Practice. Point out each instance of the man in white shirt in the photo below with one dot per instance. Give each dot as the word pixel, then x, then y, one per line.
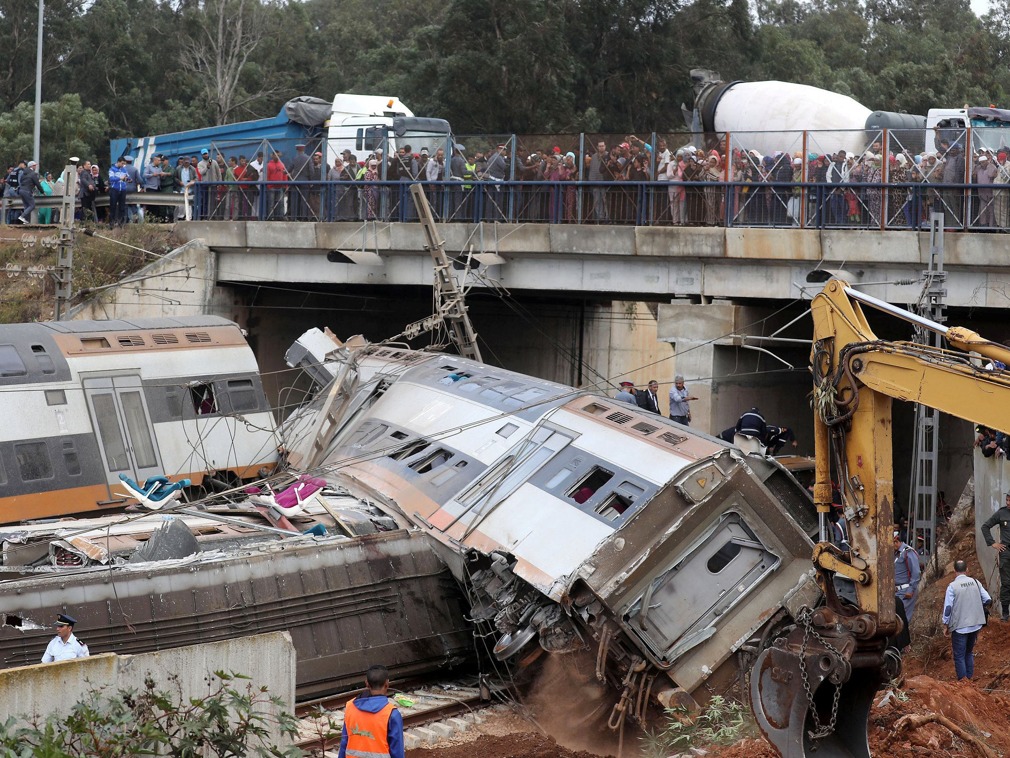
pixel 65 646
pixel 963 616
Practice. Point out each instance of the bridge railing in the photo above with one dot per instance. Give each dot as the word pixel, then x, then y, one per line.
pixel 854 205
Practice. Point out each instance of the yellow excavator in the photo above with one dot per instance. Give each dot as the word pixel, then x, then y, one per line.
pixel 811 690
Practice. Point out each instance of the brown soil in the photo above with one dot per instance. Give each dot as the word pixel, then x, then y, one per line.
pixel 904 722
pixel 524 745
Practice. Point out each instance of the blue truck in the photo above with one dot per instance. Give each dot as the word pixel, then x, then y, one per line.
pixel 360 123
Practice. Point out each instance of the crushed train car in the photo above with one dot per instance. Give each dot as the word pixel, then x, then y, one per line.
pixel 357 588
pixel 572 521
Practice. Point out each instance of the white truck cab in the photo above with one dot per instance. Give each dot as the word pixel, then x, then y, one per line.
pixel 365 123
pixel 989 127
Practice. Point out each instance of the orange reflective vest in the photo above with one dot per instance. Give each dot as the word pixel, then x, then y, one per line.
pixel 367 733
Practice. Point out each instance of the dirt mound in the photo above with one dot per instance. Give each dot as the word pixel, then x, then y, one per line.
pixel 528 745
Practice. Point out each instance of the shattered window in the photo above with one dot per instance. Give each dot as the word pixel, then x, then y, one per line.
pixel 431 461
pixel 589 484
pixel 44 360
pixel 34 461
pixel 204 402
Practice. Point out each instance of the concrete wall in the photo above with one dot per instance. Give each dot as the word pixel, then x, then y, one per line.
pixel 54 687
pixel 182 283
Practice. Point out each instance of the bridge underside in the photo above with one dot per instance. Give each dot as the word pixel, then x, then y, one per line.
pixel 697 262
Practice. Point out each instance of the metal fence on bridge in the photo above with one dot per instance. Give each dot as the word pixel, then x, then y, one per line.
pixel 855 205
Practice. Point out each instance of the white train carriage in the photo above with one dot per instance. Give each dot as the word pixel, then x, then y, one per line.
pixel 577 521
pixel 86 401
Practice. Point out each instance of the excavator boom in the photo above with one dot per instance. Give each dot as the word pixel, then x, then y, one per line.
pixel 811 690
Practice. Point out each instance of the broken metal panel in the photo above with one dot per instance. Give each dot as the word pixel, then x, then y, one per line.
pixel 337 597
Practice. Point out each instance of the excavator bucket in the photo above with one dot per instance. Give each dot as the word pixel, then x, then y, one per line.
pixel 808 701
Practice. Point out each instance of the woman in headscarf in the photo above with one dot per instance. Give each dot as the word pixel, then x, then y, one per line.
pixel 898 208
pixel 1001 197
pixel 571 174
pixel 713 195
pixel 370 193
pixel 45 214
pixel 872 195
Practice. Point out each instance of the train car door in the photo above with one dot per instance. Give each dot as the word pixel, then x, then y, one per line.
pixel 123 426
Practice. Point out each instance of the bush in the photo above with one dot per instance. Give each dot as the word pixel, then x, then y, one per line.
pixel 234 719
pixel 720 722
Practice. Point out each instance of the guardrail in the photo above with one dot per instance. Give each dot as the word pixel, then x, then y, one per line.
pixel 804 205
pixel 869 205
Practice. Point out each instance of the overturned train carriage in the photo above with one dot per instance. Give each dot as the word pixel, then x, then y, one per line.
pixel 575 522
pixel 86 401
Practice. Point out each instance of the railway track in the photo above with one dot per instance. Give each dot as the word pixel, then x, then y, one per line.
pixel 431 712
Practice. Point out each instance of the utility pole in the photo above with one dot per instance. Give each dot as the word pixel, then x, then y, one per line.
pixel 38 90
pixel 65 248
pixel 451 308
pixel 927 420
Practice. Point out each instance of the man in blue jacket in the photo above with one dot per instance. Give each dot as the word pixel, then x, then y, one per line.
pixel 119 185
pixel 373 727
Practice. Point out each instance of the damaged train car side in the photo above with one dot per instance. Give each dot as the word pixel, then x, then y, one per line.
pixel 576 522
pixel 86 401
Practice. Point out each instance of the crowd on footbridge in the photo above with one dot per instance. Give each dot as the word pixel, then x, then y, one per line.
pixel 622 181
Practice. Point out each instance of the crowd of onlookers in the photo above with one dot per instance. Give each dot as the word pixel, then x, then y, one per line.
pixel 630 182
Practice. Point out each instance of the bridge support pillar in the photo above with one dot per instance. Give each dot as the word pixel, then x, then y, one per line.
pixel 730 373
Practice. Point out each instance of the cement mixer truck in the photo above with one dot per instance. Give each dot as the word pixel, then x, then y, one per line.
pixel 782 116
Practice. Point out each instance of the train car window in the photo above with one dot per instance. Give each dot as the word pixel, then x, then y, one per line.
pixel 368 435
pixel 527 395
pixel 589 484
pixel 491 394
pixel 56 397
pixel 507 430
pixel 399 435
pixel 408 450
pixel 614 506
pixel 44 360
pixel 723 556
pixel 242 393
pixel 34 462
pixel 204 401
pixel 453 376
pixel 110 433
pixel 70 460
pixel 431 461
pixel 10 362
pixel 446 474
pixel 139 429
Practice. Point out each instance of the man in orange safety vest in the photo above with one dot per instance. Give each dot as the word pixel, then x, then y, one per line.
pixel 373 727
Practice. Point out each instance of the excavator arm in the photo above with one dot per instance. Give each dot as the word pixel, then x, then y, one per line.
pixel 812 689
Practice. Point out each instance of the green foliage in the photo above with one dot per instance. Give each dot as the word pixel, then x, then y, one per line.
pixel 68 128
pixel 235 718
pixel 720 722
pixel 491 66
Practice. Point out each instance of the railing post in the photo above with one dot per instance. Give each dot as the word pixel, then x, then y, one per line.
pixel 804 177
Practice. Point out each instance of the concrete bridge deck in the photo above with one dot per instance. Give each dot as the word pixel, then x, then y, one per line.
pixel 700 263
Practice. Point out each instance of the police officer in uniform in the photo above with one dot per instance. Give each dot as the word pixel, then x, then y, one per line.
pixel 373 727
pixel 1001 517
pixel 65 646
pixel 626 395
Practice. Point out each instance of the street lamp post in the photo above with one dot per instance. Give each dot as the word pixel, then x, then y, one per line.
pixel 37 134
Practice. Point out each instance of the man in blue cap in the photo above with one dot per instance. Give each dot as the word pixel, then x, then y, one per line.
pixel 65 646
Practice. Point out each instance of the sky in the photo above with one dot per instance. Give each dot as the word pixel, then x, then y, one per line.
pixel 981 7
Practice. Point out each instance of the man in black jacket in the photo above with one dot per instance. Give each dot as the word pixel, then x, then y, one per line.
pixel 1001 517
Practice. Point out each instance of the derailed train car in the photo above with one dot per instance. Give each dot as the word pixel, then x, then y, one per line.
pixel 86 401
pixel 576 522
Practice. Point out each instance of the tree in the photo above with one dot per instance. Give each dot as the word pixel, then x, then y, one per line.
pixel 223 35
pixel 68 128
